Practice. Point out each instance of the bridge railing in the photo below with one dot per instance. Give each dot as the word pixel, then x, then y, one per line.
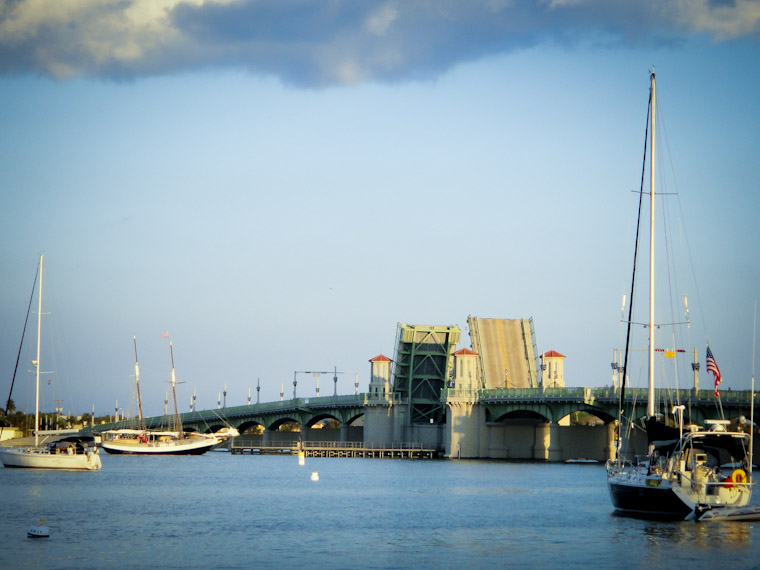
pixel 387 398
pixel 606 394
pixel 270 407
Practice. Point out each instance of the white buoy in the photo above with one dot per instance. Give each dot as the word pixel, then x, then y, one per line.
pixel 38 530
pixel 314 476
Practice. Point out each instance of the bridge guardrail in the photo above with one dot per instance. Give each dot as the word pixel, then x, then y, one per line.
pixel 606 394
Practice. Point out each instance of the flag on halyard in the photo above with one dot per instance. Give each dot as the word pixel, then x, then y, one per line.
pixel 166 335
pixel 712 366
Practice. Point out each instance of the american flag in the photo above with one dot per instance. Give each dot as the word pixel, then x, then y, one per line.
pixel 712 366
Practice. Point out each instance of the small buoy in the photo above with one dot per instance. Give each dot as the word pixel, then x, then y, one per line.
pixel 38 531
pixel 314 476
pixel 301 459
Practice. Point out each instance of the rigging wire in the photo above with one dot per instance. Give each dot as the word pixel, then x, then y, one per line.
pixel 21 344
pixel 633 277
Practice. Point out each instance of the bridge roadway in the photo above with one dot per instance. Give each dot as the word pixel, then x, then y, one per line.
pixel 502 404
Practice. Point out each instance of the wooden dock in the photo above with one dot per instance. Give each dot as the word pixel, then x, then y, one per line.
pixel 241 446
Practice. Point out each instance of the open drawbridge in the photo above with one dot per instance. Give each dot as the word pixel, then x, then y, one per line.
pixel 507 350
pixel 422 368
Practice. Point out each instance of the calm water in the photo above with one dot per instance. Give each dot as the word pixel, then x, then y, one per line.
pixel 224 511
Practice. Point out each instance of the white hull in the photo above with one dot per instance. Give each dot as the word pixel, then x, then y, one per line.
pixel 157 443
pixel 42 458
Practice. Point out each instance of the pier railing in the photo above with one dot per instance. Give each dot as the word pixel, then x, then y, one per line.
pixel 243 441
pixel 242 445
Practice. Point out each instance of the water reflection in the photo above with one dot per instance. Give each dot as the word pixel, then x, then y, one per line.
pixel 702 535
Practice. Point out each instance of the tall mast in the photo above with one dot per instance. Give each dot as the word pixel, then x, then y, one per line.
pixel 37 362
pixel 177 420
pixel 650 397
pixel 137 383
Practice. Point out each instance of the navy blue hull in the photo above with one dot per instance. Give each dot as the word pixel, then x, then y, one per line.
pixel 645 501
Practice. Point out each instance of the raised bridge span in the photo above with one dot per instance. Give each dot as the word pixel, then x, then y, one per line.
pixel 520 423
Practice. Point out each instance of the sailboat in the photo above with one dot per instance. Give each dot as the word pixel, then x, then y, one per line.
pixel 68 453
pixel 687 472
pixel 142 441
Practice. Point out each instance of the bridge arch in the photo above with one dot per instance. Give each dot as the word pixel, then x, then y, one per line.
pixel 522 416
pixel 603 414
pixel 279 422
pixel 320 417
pixel 247 425
pixel 354 418
pixel 213 428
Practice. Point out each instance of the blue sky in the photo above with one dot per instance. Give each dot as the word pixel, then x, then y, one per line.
pixel 279 187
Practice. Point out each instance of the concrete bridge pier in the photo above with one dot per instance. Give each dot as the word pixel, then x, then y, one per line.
pixel 609 451
pixel 344 433
pixel 265 437
pixel 541 445
pixel 547 443
pixel 464 436
pixel 555 447
pixel 378 424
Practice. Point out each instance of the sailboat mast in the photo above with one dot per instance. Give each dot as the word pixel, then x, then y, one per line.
pixel 650 397
pixel 177 420
pixel 137 383
pixel 37 362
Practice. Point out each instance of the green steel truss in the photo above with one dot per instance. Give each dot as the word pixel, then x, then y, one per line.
pixel 422 368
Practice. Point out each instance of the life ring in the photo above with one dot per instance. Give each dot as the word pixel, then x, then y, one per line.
pixel 738 476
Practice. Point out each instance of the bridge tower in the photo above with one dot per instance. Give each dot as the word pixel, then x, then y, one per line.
pixel 553 369
pixel 378 405
pixel 465 432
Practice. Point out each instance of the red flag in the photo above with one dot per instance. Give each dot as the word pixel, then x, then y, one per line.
pixel 712 366
pixel 166 335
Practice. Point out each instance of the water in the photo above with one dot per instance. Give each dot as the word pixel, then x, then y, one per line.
pixel 225 511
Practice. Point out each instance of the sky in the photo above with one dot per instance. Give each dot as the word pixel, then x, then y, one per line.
pixel 278 184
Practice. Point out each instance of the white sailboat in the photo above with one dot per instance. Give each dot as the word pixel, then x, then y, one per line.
pixel 68 453
pixel 142 441
pixel 686 472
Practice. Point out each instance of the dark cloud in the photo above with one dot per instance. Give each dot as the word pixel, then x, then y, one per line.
pixel 328 42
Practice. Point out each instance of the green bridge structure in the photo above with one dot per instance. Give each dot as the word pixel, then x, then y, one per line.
pixel 518 423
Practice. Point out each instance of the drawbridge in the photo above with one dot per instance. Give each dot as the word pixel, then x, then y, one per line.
pixel 422 369
pixel 507 350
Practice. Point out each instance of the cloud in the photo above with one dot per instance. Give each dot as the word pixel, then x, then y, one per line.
pixel 316 43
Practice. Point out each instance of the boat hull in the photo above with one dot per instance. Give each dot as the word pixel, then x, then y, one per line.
pixel 640 499
pixel 41 458
pixel 190 447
